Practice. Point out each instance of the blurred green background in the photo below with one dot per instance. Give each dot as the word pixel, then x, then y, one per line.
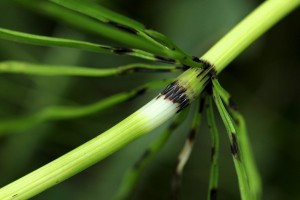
pixel 264 81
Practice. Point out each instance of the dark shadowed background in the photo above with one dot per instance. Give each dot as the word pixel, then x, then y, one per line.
pixel 263 81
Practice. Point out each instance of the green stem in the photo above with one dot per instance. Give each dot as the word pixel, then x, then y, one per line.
pixel 68 43
pixel 155 112
pixel 247 31
pixel 18 67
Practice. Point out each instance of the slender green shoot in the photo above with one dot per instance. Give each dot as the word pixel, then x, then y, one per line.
pixel 165 40
pixel 185 152
pixel 71 112
pixel 17 67
pixel 87 46
pixel 98 12
pixel 235 147
pixel 215 147
pixel 76 19
pixel 246 150
pixel 132 176
pixel 109 17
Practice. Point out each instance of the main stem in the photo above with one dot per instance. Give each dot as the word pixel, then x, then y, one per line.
pixel 247 31
pixel 175 97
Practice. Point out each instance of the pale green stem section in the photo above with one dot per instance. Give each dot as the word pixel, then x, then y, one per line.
pixel 18 67
pixel 152 114
pixel 91 152
pixel 247 31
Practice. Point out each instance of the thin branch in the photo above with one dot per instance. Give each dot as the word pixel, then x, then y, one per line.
pixel 18 67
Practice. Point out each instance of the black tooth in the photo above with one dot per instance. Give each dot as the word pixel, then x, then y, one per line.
pixel 183 104
pixel 164 59
pixel 123 27
pixel 192 135
pixel 234 146
pixel 168 88
pixel 141 91
pixel 213 152
pixel 177 94
pixel 196 59
pixel 122 50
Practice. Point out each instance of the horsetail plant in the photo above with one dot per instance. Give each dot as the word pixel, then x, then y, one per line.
pixel 199 78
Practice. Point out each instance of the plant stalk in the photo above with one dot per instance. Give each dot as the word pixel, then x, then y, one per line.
pixel 175 97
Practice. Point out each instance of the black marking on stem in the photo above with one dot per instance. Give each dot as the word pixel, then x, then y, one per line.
pixel 173 126
pixel 232 104
pixel 158 96
pixel 144 70
pixel 184 67
pixel 139 162
pixel 107 47
pixel 200 73
pixel 122 50
pixel 234 146
pixel 196 59
pixel 209 68
pixel 206 63
pixel 213 194
pixel 237 121
pixel 192 135
pixel 201 105
pixel 123 27
pixel 177 94
pixel 164 59
pixel 208 88
pixel 212 73
pixel 212 153
pixel 141 91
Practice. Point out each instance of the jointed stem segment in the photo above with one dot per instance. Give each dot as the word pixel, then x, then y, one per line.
pixel 56 70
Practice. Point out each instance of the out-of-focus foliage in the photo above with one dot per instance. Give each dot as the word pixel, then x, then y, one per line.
pixel 263 81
